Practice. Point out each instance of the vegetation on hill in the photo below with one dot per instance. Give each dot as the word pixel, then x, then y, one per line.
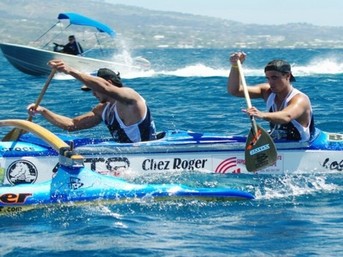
pixel 24 21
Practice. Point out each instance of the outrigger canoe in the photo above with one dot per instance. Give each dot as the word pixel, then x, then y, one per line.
pixel 70 182
pixel 31 159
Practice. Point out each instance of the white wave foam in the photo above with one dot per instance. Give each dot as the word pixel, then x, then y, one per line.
pixel 314 67
pixel 319 66
pixel 293 185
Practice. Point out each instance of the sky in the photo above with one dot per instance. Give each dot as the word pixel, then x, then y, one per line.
pixel 265 12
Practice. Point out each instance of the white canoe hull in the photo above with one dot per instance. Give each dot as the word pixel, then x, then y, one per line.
pixel 30 160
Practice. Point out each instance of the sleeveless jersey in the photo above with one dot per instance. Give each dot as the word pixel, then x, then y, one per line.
pixel 293 130
pixel 144 130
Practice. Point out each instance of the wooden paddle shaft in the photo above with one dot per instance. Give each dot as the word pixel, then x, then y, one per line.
pixel 15 133
pixel 246 94
pixel 245 88
pixel 40 97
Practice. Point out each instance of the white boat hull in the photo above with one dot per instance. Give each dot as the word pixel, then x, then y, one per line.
pixel 30 160
pixel 33 61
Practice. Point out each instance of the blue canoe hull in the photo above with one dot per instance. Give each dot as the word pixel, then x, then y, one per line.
pixel 81 185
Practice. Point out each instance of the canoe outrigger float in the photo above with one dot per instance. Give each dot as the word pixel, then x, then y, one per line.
pixel 24 166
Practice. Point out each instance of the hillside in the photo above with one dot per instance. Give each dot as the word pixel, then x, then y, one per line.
pixel 23 21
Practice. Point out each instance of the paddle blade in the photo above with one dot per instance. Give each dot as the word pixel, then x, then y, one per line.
pixel 260 150
pixel 13 135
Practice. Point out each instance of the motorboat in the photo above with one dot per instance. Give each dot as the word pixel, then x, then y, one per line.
pixel 32 59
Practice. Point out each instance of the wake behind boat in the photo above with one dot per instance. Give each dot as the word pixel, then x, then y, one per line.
pixel 33 60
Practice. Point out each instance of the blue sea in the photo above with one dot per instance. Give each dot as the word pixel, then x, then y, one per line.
pixel 292 215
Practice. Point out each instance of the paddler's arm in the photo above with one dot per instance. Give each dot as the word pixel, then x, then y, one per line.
pixel 85 121
pixel 295 110
pixel 234 84
pixel 124 95
pixel 93 82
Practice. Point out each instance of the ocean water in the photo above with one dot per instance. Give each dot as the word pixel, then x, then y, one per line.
pixel 292 215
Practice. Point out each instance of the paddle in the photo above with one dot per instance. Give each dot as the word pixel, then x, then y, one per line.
pixel 15 133
pixel 260 150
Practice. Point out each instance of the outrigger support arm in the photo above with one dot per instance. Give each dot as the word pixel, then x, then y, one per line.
pixel 67 157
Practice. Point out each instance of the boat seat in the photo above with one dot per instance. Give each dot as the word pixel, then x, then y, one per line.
pixel 160 135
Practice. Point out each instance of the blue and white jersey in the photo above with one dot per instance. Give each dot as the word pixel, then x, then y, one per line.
pixel 293 130
pixel 143 130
